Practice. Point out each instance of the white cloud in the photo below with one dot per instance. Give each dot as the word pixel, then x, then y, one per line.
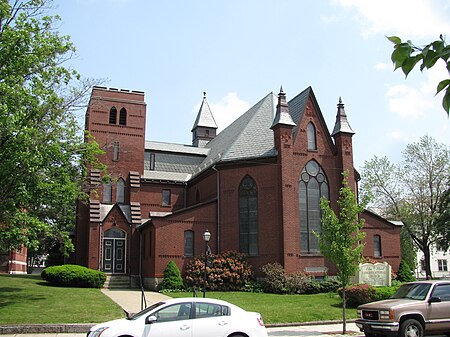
pixel 384 66
pixel 405 18
pixel 227 109
pixel 417 99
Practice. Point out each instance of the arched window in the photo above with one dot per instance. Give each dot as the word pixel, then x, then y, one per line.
pixel 113 115
pixel 313 185
pixel 377 246
pixel 107 193
pixel 188 243
pixel 120 191
pixel 311 133
pixel 115 233
pixel 248 217
pixel 123 117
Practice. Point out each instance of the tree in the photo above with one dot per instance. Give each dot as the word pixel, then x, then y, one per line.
pixel 341 237
pixel 406 56
pixel 411 190
pixel 42 151
pixel 172 277
pixel 443 220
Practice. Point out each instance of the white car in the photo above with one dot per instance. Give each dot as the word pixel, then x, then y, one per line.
pixel 186 317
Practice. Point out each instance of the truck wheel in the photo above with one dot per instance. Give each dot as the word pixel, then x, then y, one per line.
pixel 368 334
pixel 410 328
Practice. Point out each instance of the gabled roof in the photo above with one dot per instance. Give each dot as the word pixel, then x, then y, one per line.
pixel 297 107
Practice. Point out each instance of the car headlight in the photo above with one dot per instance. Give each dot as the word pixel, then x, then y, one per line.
pixel 98 332
pixel 386 315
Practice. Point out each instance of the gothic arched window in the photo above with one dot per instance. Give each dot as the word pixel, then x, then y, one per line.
pixel 188 243
pixel 311 134
pixel 313 185
pixel 123 117
pixel 107 193
pixel 113 115
pixel 248 217
pixel 377 246
pixel 120 191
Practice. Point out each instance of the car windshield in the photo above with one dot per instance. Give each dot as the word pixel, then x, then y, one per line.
pixel 145 311
pixel 413 291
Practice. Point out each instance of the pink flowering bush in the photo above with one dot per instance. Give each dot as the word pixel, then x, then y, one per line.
pixel 226 271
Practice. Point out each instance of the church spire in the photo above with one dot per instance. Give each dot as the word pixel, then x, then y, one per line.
pixel 205 126
pixel 342 125
pixel 282 115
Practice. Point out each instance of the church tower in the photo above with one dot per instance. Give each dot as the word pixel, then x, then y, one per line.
pixel 205 126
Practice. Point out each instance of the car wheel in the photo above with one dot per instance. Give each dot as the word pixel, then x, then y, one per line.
pixel 368 334
pixel 411 328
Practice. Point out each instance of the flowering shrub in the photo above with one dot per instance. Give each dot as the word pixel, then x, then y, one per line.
pixel 358 294
pixel 226 271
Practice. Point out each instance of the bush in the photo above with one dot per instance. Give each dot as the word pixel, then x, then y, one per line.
pixel 70 275
pixel 384 293
pixel 172 277
pixel 358 294
pixel 279 282
pixel 405 274
pixel 275 280
pixel 226 271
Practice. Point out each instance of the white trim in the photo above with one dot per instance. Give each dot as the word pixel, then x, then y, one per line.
pixel 20 263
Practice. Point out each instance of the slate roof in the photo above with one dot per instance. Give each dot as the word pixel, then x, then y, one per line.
pixel 205 117
pixel 248 137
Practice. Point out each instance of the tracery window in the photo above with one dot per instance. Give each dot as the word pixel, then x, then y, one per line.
pixel 248 217
pixel 313 185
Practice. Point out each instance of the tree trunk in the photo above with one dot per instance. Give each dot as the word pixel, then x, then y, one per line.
pixel 344 305
pixel 427 259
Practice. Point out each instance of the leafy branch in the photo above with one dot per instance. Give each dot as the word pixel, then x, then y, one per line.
pixel 406 56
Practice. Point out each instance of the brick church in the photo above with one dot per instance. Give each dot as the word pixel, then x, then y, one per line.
pixel 255 186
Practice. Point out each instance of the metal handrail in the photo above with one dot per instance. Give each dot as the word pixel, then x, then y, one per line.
pixel 143 300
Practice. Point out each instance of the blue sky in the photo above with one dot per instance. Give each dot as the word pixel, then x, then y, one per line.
pixel 240 50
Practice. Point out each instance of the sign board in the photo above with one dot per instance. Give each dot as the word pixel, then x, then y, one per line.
pixel 376 274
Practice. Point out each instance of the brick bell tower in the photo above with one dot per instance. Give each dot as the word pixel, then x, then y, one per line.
pixel 106 224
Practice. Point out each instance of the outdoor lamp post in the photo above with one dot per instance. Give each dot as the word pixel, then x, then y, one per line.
pixel 206 237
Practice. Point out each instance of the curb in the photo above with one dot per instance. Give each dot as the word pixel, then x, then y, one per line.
pixel 84 328
pixel 45 328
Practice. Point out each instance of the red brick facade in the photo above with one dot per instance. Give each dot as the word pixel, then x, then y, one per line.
pixel 153 230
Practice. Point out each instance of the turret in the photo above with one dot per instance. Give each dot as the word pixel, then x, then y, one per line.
pixel 205 126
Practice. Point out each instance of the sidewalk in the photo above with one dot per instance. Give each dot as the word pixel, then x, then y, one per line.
pixel 131 300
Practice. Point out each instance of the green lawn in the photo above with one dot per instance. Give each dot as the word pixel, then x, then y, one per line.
pixel 28 299
pixel 285 308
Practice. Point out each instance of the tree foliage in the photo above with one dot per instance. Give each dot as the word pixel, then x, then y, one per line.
pixel 341 236
pixel 41 146
pixel 406 56
pixel 411 191
pixel 443 220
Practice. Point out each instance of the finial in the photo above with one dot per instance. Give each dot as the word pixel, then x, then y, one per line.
pixel 340 100
pixel 204 94
pixel 281 89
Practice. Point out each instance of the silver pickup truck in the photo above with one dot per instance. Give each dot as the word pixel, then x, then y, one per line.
pixel 416 308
